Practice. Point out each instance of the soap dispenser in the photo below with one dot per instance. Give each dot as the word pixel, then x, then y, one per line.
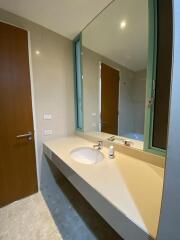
pixel 111 152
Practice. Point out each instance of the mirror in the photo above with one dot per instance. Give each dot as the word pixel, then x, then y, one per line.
pixel 114 63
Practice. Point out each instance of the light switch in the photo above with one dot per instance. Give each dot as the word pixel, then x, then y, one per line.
pixel 48 132
pixel 47 116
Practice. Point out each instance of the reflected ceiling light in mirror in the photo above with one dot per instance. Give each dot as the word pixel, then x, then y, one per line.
pixel 123 24
pixel 37 52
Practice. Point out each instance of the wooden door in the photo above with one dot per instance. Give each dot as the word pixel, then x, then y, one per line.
pixel 17 155
pixel 109 99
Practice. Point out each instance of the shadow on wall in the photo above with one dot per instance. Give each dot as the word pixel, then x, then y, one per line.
pixel 73 215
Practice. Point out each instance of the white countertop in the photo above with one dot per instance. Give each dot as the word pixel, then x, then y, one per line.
pixel 133 186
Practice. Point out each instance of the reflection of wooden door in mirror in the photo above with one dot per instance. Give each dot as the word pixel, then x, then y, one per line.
pixel 163 73
pixel 109 99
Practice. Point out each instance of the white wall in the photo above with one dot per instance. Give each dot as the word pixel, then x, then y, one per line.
pixel 125 103
pixel 132 102
pixel 90 90
pixel 52 79
pixel 170 212
pixel 138 99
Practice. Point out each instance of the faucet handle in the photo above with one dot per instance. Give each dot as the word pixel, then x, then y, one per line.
pixel 100 142
pixel 128 143
pixel 99 145
pixel 112 138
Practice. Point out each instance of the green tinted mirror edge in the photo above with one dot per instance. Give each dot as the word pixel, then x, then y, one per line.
pixel 78 38
pixel 150 83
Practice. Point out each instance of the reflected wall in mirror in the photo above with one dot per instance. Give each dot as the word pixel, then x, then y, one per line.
pixel 115 49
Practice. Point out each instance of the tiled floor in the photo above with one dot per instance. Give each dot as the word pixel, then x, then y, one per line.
pixel 28 219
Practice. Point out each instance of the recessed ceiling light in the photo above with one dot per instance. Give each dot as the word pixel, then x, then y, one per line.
pixel 37 52
pixel 123 24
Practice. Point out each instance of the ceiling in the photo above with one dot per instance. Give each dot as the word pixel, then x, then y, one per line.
pixel 127 46
pixel 66 17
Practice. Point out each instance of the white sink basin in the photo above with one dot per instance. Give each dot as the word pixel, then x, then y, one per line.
pixel 86 155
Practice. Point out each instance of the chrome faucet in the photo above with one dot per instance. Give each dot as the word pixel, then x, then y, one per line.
pixel 99 145
pixel 128 143
pixel 112 138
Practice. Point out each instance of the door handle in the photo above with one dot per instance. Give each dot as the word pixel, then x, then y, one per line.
pixel 26 135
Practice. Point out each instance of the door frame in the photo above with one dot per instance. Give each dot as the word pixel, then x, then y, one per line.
pixel 99 93
pixel 32 98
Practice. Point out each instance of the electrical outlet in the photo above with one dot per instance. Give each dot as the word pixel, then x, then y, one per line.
pixel 47 116
pixel 48 132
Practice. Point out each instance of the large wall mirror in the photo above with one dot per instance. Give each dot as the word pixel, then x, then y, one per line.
pixel 115 49
pixel 126 55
